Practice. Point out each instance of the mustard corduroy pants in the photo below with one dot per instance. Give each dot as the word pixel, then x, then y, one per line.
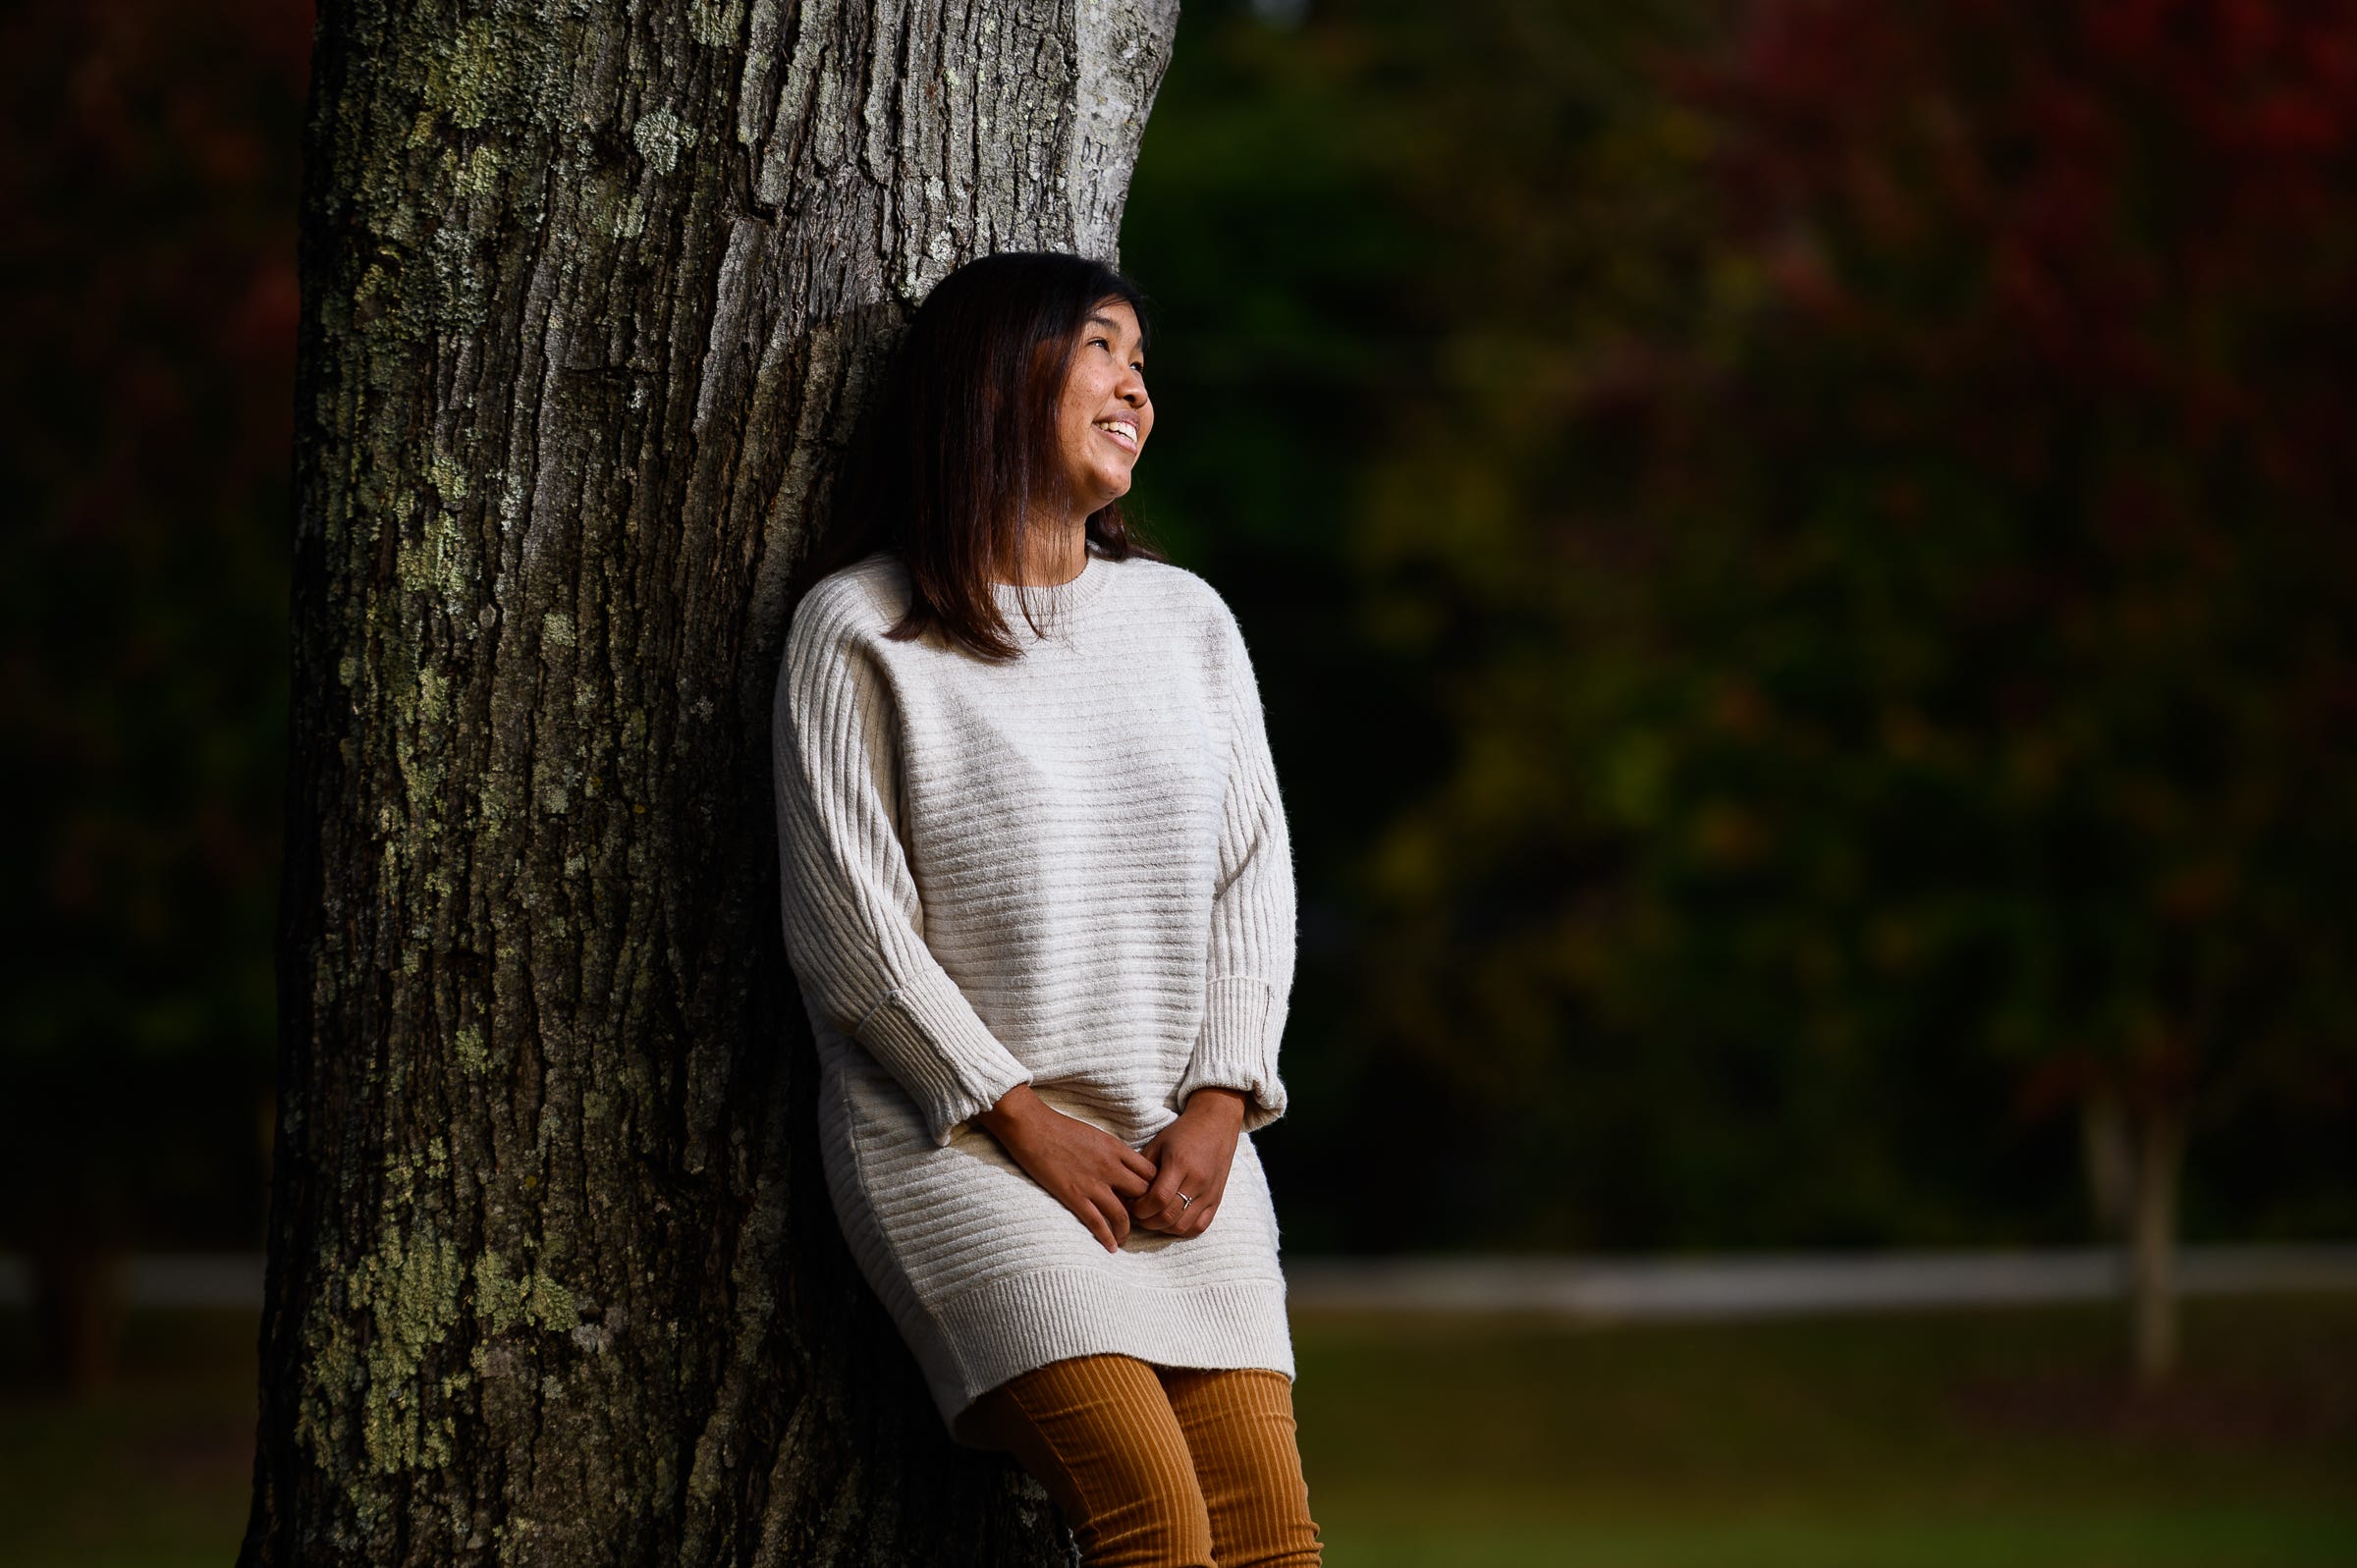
pixel 1160 1467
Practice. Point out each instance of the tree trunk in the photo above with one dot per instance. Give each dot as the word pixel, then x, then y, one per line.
pixel 78 1312
pixel 2108 1162
pixel 2159 1147
pixel 591 296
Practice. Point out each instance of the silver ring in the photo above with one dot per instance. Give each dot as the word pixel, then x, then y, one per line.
pixel 1185 1200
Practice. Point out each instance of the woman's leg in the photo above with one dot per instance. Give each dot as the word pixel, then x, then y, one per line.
pixel 1240 1427
pixel 1100 1435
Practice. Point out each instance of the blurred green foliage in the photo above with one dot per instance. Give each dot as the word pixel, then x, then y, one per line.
pixel 1845 558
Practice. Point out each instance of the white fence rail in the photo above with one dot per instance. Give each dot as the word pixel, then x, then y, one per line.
pixel 1591 1289
pixel 1760 1285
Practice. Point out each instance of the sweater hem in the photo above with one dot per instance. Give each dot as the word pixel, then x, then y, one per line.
pixel 1021 1323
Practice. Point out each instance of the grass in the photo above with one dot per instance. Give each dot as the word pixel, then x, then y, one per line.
pixel 1917 1441
pixel 150 1474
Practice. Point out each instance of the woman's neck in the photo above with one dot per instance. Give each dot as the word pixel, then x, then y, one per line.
pixel 1054 557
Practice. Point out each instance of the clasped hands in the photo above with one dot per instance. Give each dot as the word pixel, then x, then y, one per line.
pixel 1109 1185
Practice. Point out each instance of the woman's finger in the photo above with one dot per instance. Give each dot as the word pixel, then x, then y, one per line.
pixel 1197 1218
pixel 1097 1227
pixel 1162 1198
pixel 1117 1215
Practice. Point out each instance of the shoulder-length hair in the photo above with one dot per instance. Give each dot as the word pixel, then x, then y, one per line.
pixel 964 434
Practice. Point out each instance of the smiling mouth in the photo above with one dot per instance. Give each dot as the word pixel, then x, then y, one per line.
pixel 1121 438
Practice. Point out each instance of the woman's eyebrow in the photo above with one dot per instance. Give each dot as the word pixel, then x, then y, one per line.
pixel 1107 322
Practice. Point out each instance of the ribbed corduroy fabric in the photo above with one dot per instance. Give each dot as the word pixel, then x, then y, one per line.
pixel 1159 1467
pixel 1072 870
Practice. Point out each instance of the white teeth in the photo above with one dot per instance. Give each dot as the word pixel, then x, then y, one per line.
pixel 1124 428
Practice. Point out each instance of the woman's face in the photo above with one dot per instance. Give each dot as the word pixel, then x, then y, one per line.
pixel 1104 415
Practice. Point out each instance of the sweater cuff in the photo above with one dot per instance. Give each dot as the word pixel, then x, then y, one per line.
pixel 951 1065
pixel 1242 1017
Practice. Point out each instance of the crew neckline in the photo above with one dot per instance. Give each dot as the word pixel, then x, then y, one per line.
pixel 1054 598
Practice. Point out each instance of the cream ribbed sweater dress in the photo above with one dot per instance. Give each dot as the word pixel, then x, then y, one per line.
pixel 1072 870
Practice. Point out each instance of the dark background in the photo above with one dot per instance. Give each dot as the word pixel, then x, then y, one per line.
pixel 1799 557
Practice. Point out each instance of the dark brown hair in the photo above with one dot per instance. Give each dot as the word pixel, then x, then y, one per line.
pixel 963 433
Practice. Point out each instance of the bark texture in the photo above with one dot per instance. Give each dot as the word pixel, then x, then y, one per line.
pixel 591 298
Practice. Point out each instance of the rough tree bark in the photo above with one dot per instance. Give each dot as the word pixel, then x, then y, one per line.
pixel 591 296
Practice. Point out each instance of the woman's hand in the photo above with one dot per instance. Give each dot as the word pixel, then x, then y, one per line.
pixel 1191 1155
pixel 1086 1169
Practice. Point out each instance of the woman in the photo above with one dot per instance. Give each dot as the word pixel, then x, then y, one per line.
pixel 1038 890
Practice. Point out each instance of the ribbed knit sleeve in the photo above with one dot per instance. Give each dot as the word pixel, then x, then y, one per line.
pixel 852 914
pixel 1250 977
